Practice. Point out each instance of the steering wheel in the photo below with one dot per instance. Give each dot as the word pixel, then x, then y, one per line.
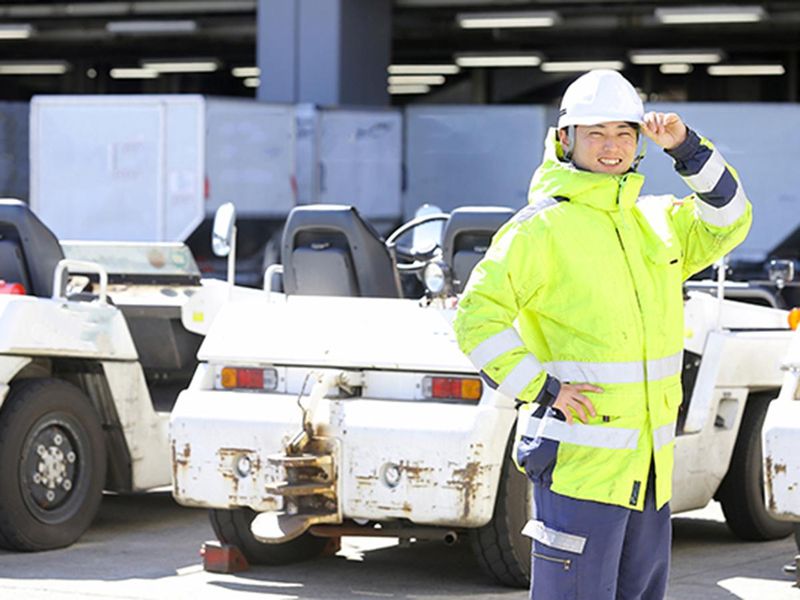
pixel 416 259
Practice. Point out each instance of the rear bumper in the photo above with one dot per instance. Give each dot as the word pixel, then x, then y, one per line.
pixel 781 460
pixel 448 456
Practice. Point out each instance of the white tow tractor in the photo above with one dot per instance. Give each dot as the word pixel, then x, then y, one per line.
pixel 781 442
pixel 338 407
pixel 95 345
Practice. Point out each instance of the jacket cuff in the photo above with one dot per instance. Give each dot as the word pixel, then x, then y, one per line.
pixel 549 391
pixel 686 149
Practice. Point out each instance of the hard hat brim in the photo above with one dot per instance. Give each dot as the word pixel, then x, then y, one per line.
pixel 598 119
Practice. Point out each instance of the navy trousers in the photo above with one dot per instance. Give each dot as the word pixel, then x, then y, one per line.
pixel 585 550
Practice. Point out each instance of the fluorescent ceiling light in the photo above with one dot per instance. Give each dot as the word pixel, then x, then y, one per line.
pixel 151 27
pixel 408 89
pixel 498 60
pixel 660 57
pixel 245 71
pixel 579 66
pixel 16 32
pixel 416 79
pixel 732 70
pixel 688 15
pixel 676 68
pixel 125 73
pixel 94 9
pixel 194 6
pixel 497 20
pixel 423 69
pixel 181 66
pixel 251 82
pixel 34 68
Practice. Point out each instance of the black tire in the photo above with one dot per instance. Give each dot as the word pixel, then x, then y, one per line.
pixel 501 549
pixel 797 535
pixel 52 465
pixel 741 492
pixel 233 527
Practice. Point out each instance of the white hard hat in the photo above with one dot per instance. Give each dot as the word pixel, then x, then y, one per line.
pixel 600 96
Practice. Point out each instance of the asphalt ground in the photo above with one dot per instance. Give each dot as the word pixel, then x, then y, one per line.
pixel 147 548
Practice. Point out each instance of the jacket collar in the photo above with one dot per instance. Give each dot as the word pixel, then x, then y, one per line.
pixel 557 177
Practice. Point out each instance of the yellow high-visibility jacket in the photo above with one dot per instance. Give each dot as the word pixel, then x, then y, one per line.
pixel 584 285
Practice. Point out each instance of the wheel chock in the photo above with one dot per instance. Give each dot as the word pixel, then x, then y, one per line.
pixel 223 558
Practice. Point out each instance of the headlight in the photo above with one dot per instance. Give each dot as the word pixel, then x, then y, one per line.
pixel 780 272
pixel 436 277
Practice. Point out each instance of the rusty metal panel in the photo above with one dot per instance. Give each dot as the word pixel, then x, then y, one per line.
pixel 781 446
pixel 430 463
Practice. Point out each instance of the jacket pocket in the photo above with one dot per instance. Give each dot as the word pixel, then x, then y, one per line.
pixel 616 405
pixel 673 396
pixel 661 254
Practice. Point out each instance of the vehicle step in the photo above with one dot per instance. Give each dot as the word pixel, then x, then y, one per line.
pixel 284 488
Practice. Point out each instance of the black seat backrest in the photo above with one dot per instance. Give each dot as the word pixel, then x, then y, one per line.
pixel 12 265
pixel 329 250
pixel 29 252
pixel 466 237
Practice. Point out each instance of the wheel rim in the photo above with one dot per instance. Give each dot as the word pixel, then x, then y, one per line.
pixel 54 456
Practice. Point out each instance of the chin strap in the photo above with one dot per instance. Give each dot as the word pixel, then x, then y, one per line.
pixel 570 142
pixel 640 156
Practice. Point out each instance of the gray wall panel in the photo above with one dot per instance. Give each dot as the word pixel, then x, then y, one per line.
pixel 471 155
pixel 14 172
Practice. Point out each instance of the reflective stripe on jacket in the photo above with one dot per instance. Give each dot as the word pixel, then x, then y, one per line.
pixel 585 284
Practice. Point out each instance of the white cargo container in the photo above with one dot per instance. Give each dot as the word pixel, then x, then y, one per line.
pixel 149 168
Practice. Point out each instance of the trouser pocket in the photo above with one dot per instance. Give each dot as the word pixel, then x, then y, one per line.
pixel 554 562
pixel 554 576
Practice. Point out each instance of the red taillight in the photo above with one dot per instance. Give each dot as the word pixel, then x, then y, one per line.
pixel 247 378
pixel 452 388
pixel 250 378
pixel 12 288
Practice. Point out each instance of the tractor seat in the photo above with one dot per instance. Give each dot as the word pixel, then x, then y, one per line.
pixel 29 252
pixel 466 237
pixel 329 250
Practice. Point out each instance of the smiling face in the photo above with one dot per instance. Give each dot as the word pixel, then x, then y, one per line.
pixel 605 148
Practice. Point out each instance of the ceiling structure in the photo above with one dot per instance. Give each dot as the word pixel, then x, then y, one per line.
pixel 89 47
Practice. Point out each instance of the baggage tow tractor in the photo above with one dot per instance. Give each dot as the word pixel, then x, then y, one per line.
pixel 95 345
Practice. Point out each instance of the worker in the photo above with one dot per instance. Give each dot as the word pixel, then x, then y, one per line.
pixel 576 312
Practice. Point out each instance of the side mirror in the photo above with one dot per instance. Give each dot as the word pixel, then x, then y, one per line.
pixel 223 232
pixel 428 236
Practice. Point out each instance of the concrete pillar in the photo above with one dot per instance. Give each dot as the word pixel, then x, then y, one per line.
pixel 328 52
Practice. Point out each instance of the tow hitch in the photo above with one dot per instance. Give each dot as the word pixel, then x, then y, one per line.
pixel 306 470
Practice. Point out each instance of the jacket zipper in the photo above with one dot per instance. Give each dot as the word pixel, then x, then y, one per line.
pixel 638 302
pixel 636 295
pixel 630 272
pixel 566 562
